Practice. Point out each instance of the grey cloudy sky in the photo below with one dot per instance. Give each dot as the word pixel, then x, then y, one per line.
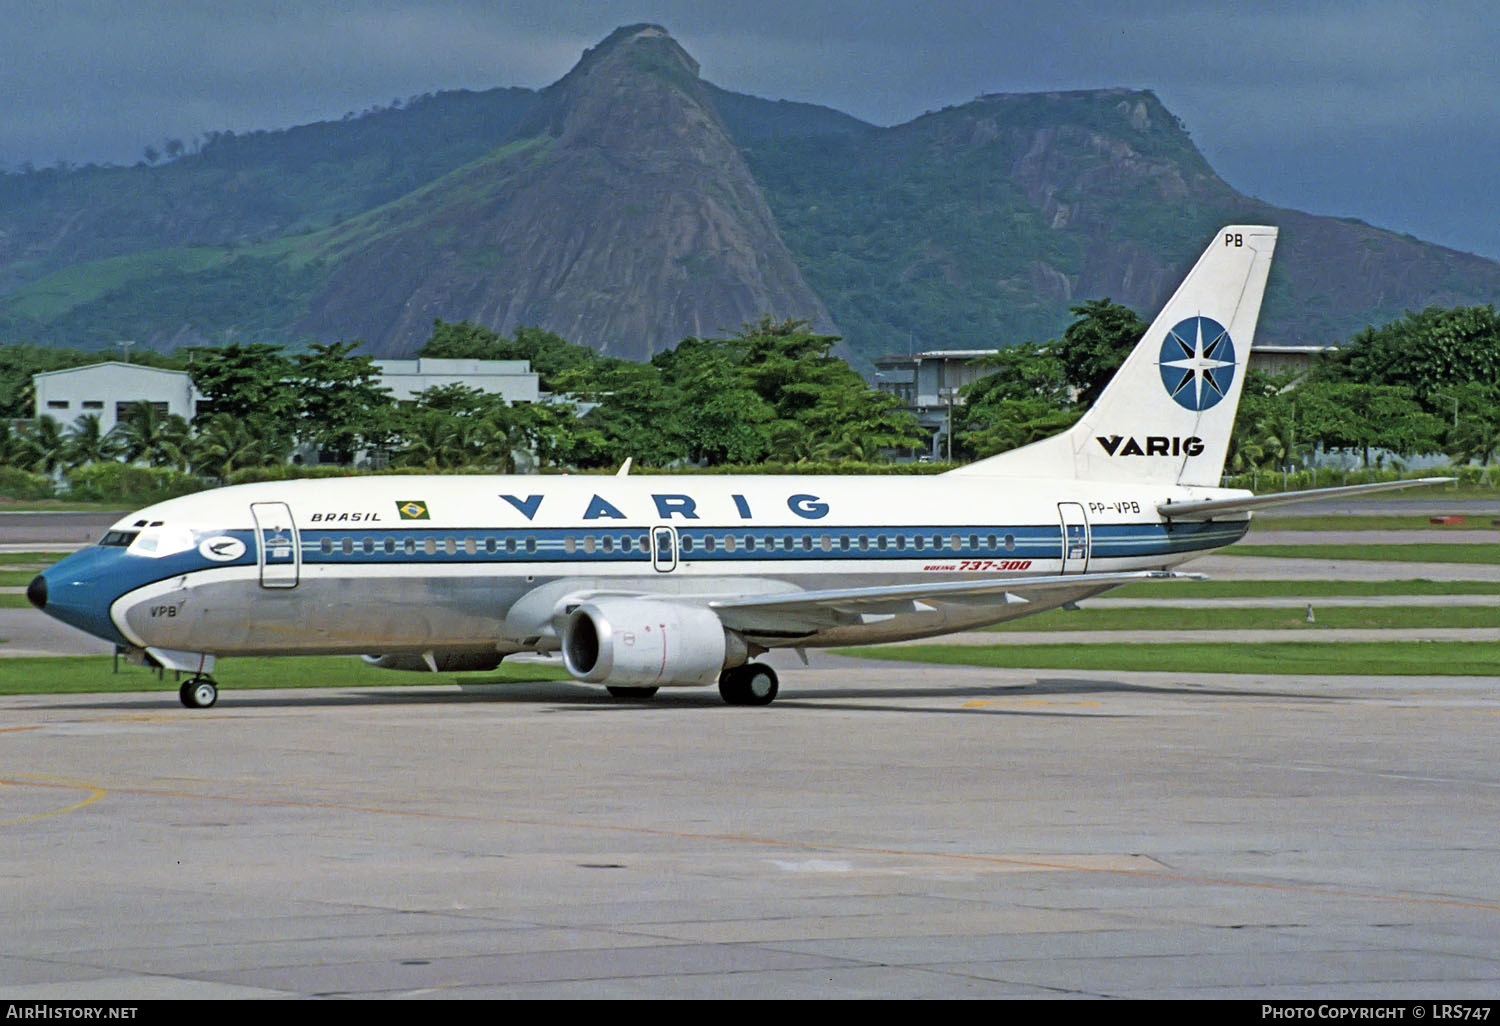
pixel 1385 110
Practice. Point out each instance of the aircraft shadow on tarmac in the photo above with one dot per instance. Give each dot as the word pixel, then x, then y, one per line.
pixel 565 696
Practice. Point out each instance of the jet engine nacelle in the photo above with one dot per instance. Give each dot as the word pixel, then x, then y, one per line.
pixel 644 643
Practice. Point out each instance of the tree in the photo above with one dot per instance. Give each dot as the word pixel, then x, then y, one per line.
pixel 245 382
pixel 814 396
pixel 1432 351
pixel 722 419
pixel 41 446
pixel 146 436
pixel 342 404
pixel 1093 347
pixel 1476 435
pixel 225 444
pixel 86 442
pixel 1353 415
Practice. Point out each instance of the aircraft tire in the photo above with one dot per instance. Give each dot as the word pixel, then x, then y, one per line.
pixel 198 693
pixel 751 684
pixel 640 694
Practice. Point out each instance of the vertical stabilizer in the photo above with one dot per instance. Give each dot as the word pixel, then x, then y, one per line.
pixel 1166 414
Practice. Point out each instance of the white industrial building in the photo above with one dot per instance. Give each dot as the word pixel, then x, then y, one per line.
pixel 108 390
pixel 512 380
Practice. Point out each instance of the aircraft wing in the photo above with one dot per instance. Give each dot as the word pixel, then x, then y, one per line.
pixel 810 610
pixel 1209 508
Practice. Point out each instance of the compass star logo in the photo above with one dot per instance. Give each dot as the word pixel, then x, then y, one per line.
pixel 1197 362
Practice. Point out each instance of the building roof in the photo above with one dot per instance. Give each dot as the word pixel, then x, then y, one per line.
pixel 115 366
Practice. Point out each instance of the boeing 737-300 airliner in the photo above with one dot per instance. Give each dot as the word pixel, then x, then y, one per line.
pixel 645 582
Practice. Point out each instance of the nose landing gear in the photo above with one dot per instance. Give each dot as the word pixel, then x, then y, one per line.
pixel 199 693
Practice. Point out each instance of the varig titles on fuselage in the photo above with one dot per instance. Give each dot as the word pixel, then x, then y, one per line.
pixel 668 505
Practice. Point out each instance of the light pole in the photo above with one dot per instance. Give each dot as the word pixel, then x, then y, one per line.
pixel 948 394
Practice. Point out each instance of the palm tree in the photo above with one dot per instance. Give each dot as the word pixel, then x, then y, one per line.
pixel 434 440
pixel 88 443
pixel 152 439
pixel 41 446
pixel 225 443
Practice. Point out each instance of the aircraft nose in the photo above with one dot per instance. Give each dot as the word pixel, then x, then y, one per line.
pixel 79 591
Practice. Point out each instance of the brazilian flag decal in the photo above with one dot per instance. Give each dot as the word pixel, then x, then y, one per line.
pixel 412 510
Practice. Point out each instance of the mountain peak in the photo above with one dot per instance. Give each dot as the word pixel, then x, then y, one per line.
pixel 634 63
pixel 622 216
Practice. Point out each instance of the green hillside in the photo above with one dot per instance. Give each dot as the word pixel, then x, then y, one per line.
pixel 971 227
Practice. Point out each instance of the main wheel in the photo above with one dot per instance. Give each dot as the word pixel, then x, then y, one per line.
pixel 640 694
pixel 751 684
pixel 199 693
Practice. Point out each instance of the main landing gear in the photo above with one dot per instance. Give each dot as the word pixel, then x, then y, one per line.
pixel 751 684
pixel 199 693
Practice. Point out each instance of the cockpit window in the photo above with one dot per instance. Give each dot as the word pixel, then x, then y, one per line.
pixel 157 541
pixel 118 539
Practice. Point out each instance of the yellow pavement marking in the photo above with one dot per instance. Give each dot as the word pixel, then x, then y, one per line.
pixel 37 780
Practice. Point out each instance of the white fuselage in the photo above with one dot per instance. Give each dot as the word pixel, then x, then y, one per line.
pixel 453 564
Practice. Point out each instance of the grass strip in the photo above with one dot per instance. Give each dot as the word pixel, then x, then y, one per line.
pixel 43 559
pixel 1395 658
pixel 1375 522
pixel 1300 589
pixel 1420 552
pixel 66 675
pixel 1187 618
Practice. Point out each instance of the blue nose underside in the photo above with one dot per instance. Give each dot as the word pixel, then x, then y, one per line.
pixel 79 591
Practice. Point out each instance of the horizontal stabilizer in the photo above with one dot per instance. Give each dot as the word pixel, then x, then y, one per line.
pixel 1213 507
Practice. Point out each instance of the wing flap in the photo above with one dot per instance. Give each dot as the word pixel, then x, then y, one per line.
pixel 809 610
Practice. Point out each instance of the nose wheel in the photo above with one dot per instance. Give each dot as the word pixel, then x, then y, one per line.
pixel 199 693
